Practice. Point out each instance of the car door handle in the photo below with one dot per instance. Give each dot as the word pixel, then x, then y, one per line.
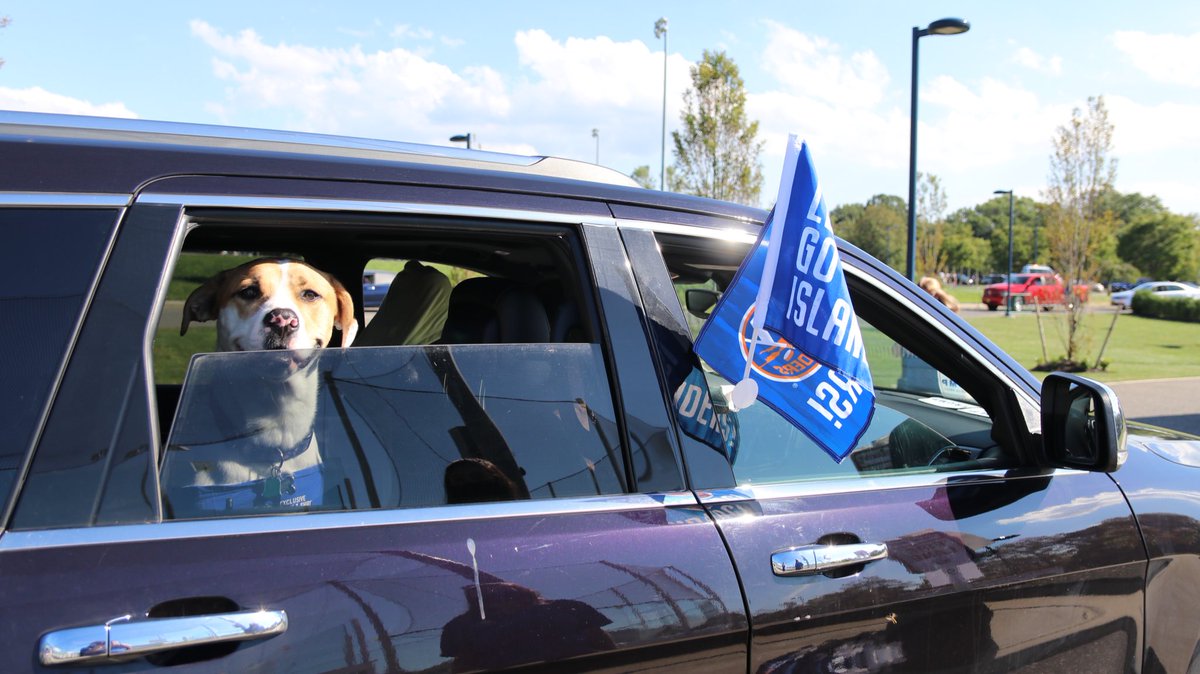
pixel 808 560
pixel 123 639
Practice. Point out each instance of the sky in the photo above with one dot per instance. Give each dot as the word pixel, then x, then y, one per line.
pixel 538 78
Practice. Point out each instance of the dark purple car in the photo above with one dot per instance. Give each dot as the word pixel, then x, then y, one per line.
pixel 519 462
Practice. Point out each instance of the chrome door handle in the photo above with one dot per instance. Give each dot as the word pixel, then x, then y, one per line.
pixel 123 639
pixel 809 560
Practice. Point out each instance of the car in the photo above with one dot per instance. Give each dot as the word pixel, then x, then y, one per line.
pixel 529 468
pixel 1043 289
pixel 1036 269
pixel 375 284
pixel 1124 298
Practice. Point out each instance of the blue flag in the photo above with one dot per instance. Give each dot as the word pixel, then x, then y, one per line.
pixel 785 329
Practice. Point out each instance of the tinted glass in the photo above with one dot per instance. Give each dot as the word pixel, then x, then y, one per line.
pixel 47 265
pixel 389 427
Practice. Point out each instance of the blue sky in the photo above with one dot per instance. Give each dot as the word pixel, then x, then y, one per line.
pixel 537 77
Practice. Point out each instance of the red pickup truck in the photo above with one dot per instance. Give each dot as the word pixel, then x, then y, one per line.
pixel 1046 290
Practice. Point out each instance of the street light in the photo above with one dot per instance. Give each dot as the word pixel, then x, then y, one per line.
pixel 1008 277
pixel 939 27
pixel 660 30
pixel 461 138
pixel 596 135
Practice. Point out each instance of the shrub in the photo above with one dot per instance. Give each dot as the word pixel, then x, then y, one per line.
pixel 1171 308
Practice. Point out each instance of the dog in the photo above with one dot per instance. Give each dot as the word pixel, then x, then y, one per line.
pixel 249 444
pixel 934 287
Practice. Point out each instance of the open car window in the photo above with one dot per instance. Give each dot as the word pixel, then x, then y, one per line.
pixel 924 421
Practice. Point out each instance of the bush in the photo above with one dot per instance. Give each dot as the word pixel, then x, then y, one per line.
pixel 1171 308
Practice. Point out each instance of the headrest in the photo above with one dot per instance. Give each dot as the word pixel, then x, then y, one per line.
pixel 494 311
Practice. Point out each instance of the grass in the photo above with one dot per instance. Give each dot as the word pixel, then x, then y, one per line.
pixel 1139 348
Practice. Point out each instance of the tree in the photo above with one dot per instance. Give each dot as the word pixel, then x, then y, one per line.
pixel 931 209
pixel 1166 246
pixel 877 227
pixel 716 152
pixel 641 175
pixel 1078 226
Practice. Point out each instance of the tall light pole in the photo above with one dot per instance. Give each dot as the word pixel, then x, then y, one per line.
pixel 939 27
pixel 1008 277
pixel 462 137
pixel 596 135
pixel 660 30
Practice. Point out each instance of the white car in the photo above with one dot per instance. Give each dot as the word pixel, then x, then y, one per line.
pixel 1124 298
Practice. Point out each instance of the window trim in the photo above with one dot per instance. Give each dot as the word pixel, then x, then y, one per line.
pixel 171 530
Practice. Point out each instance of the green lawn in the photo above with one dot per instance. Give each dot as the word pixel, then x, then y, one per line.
pixel 1140 348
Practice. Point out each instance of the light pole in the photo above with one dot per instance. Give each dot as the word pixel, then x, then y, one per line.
pixel 462 137
pixel 596 135
pixel 1008 277
pixel 660 30
pixel 939 27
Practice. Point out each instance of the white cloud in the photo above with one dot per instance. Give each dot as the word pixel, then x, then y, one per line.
pixel 1050 65
pixel 814 67
pixel 1165 58
pixel 37 99
pixel 404 31
pixel 563 89
pixel 395 93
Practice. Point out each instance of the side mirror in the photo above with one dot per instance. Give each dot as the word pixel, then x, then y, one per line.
pixel 1082 424
pixel 700 301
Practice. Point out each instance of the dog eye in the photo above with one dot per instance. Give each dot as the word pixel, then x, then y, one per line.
pixel 249 293
pixel 310 295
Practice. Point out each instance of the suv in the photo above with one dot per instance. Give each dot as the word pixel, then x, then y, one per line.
pixel 521 462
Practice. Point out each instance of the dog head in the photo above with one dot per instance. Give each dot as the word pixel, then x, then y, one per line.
pixel 273 304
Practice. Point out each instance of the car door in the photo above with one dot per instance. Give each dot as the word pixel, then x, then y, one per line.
pixel 611 565
pixel 941 543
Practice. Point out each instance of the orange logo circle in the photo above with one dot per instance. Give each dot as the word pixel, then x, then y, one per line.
pixel 775 359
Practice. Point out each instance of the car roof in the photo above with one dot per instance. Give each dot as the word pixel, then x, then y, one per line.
pixel 71 153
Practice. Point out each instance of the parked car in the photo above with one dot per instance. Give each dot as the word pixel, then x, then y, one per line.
pixel 375 286
pixel 1124 298
pixel 1037 269
pixel 552 481
pixel 1045 290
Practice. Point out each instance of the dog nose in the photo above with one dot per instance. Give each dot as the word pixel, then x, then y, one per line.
pixel 282 321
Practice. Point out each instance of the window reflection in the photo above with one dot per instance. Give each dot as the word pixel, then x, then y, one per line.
pixel 387 427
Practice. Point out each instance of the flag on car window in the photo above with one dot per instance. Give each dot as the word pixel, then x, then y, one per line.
pixel 785 329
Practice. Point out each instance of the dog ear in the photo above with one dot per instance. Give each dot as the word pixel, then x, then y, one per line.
pixel 344 320
pixel 201 305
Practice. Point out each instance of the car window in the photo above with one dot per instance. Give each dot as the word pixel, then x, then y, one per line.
pixel 474 376
pixel 924 420
pixel 48 264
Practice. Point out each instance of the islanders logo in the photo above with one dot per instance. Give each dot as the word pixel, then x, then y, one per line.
pixel 776 359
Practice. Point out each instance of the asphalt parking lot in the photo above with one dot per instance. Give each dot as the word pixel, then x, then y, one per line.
pixel 1170 403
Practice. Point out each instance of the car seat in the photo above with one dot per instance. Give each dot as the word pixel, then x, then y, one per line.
pixel 413 311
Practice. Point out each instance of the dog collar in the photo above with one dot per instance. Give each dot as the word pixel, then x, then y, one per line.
pixel 296 449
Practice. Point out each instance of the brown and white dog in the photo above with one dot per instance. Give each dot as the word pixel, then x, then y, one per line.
pixel 267 304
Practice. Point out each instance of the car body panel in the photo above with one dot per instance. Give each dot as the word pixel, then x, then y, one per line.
pixel 607 588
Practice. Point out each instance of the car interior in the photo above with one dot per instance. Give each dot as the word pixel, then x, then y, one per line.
pixel 934 407
pixel 472 313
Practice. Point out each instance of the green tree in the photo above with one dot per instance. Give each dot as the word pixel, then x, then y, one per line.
pixel 878 227
pixel 641 175
pixel 1164 246
pixel 1078 226
pixel 717 151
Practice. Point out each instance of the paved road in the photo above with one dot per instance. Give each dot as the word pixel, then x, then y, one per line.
pixel 1171 403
